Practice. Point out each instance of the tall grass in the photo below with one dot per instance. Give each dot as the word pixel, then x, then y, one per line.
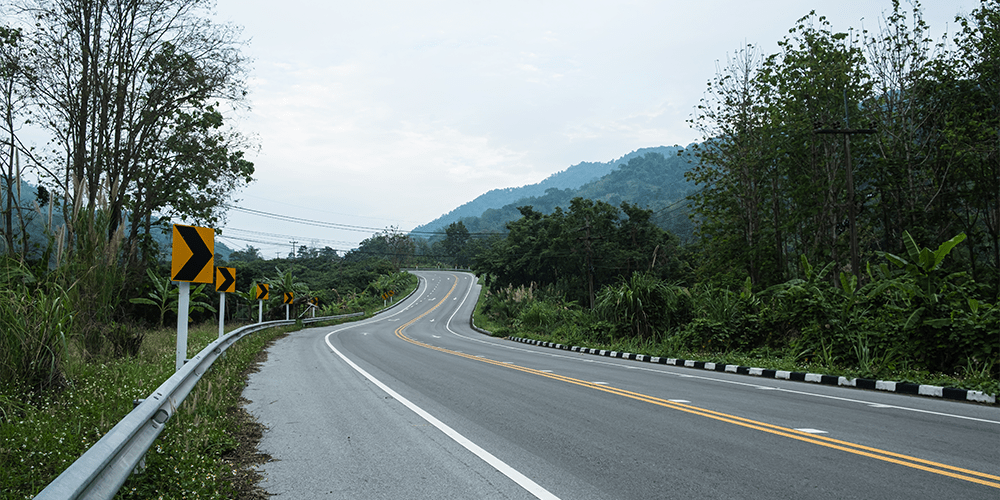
pixel 34 319
pixel 43 432
pixel 94 278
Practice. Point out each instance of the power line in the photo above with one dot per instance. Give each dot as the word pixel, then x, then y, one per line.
pixel 332 225
pixel 285 236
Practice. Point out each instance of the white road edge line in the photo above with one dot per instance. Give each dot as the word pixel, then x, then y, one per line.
pixel 733 382
pixel 522 480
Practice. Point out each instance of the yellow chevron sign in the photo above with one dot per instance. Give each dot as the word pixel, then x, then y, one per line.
pixel 225 279
pixel 193 255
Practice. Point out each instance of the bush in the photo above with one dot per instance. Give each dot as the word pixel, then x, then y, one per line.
pixel 643 306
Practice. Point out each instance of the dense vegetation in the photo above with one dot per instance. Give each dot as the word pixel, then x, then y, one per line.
pixel 134 97
pixel 896 273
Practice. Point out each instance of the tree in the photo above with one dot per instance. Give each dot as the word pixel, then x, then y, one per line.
pixel 590 244
pixel 972 130
pixel 14 78
pixel 736 166
pixel 248 254
pixel 391 244
pixel 455 241
pixel 128 91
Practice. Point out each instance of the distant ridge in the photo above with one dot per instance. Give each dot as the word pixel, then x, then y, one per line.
pixel 571 178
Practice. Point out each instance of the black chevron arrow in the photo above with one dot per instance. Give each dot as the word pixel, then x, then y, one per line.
pixel 227 279
pixel 261 291
pixel 200 254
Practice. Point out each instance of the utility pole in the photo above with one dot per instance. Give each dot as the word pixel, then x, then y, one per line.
pixel 590 260
pixel 852 208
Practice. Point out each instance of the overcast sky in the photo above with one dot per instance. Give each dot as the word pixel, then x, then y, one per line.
pixel 371 114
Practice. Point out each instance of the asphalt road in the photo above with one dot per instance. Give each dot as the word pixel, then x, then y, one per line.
pixel 414 404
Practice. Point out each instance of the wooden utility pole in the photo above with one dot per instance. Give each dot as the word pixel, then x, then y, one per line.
pixel 852 208
pixel 590 261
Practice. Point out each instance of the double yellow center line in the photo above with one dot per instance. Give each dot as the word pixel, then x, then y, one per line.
pixel 857 449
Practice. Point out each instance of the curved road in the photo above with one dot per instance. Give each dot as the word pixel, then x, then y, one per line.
pixel 414 404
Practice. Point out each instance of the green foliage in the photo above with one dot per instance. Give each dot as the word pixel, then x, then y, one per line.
pixel 94 278
pixel 592 242
pixel 942 319
pixel 456 243
pixel 34 321
pixel 164 296
pixel 646 304
pixel 864 331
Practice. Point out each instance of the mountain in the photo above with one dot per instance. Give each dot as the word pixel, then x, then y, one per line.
pixel 572 178
pixel 651 178
pixel 37 223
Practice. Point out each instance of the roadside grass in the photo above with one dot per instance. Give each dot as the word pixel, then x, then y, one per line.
pixel 194 457
pixel 969 377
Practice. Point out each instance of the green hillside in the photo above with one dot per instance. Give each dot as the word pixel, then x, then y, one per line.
pixel 508 199
pixel 654 181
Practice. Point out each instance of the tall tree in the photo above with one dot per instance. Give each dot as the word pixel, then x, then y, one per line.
pixel 455 242
pixel 972 130
pixel 14 77
pixel 734 162
pixel 899 56
pixel 817 78
pixel 126 87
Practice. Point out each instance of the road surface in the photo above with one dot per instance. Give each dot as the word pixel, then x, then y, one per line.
pixel 413 403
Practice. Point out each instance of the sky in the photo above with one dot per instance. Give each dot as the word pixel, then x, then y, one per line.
pixel 377 114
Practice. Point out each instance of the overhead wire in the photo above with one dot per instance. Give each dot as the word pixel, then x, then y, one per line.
pixel 332 225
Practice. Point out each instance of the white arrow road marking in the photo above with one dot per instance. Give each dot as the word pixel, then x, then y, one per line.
pixel 812 431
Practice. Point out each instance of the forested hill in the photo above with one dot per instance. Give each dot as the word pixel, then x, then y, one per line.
pixel 35 203
pixel 653 181
pixel 572 178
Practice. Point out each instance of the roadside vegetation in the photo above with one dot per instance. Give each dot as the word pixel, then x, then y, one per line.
pixel 890 329
pixel 785 264
pixel 890 273
pixel 203 451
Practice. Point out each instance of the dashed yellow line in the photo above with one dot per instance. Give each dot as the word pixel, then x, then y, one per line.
pixel 857 449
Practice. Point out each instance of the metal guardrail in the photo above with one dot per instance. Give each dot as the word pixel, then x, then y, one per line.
pixel 102 469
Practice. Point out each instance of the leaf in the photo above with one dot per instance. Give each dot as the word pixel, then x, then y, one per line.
pixel 911 323
pixel 895 259
pixel 938 323
pixel 945 248
pixel 911 247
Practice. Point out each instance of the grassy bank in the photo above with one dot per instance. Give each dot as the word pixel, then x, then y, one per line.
pixel 199 453
pixel 576 327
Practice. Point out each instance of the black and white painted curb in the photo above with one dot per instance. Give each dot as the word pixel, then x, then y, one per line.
pixel 861 383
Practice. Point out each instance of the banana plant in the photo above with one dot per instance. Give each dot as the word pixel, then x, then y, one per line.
pixel 164 297
pixel 920 266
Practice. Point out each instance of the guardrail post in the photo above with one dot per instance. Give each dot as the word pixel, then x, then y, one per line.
pixel 141 466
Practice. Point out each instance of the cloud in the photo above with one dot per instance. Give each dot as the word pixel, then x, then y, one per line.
pixel 377 113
